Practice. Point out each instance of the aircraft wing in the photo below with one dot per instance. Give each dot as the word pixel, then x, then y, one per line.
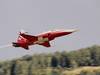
pixel 46 44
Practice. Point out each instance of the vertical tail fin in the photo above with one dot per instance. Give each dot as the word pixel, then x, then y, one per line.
pixel 22 31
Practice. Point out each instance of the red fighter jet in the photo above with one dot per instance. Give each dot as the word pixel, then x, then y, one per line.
pixel 24 40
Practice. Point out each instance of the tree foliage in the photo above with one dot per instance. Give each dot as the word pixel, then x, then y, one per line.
pixel 37 64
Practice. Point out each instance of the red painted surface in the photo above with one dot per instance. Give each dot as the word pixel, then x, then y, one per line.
pixel 24 40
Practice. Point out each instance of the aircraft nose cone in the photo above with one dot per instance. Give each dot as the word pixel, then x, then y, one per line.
pixel 71 30
pixel 74 30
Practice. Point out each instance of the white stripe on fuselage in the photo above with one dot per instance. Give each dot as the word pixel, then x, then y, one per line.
pixel 41 40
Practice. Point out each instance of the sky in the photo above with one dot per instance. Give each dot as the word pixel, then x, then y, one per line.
pixel 37 16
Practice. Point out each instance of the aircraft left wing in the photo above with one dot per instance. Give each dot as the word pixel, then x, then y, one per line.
pixel 46 44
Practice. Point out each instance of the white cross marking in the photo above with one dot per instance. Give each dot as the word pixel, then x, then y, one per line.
pixel 41 40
